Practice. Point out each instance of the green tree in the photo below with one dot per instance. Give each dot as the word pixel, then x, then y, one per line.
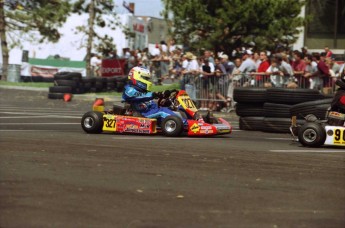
pixel 222 25
pixel 35 20
pixel 101 15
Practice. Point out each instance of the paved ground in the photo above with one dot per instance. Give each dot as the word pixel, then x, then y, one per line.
pixel 52 174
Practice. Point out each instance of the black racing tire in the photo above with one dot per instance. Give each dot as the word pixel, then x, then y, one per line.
pixel 292 96
pixel 47 79
pixel 250 95
pixel 92 122
pixel 56 95
pixel 71 83
pixel 277 110
pixel 312 135
pixel 111 86
pixel 37 79
pixel 278 125
pixel 251 123
pixel 172 126
pixel 67 76
pixel 120 86
pixel 60 89
pixel 302 109
pixel 249 109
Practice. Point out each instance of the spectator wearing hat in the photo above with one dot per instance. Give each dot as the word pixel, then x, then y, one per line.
pixel 192 67
pixel 228 65
pixel 247 66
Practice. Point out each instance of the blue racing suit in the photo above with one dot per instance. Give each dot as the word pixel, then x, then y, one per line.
pixel 143 103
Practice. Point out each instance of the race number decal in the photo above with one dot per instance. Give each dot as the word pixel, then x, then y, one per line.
pixel 339 136
pixel 187 103
pixel 109 123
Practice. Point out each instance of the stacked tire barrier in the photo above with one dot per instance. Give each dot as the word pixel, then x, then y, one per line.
pixel 270 110
pixel 74 83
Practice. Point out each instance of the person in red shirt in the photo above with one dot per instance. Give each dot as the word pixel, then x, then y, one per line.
pixel 328 52
pixel 322 69
pixel 264 65
pixel 298 67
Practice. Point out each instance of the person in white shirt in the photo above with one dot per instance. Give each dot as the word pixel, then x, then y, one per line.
pixel 96 63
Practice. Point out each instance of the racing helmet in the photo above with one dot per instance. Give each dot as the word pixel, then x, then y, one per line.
pixel 139 78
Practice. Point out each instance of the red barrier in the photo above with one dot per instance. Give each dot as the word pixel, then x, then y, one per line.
pixel 113 67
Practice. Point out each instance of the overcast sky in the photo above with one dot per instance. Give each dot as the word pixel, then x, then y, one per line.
pixel 142 7
pixel 67 46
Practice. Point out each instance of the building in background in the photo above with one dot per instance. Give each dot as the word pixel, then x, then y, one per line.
pixel 326 28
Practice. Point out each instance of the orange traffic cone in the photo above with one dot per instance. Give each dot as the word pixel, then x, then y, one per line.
pixel 67 97
pixel 98 105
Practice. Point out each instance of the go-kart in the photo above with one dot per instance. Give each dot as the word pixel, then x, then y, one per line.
pixel 187 119
pixel 316 132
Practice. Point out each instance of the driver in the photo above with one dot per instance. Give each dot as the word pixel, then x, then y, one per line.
pixel 137 93
pixel 338 102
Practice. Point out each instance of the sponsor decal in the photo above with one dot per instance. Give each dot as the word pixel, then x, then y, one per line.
pixel 195 128
pixel 44 72
pixel 206 127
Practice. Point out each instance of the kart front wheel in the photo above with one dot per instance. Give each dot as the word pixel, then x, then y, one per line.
pixel 172 126
pixel 92 122
pixel 312 135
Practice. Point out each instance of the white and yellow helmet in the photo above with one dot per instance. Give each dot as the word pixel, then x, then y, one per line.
pixel 139 77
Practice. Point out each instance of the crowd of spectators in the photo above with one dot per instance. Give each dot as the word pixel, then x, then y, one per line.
pixel 215 75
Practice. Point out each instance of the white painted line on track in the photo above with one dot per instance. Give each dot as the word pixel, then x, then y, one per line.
pixel 51 130
pixel 37 123
pixel 41 116
pixel 280 138
pixel 162 137
pixel 308 151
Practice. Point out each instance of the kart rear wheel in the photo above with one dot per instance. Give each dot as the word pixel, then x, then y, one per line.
pixel 312 135
pixel 172 126
pixel 92 122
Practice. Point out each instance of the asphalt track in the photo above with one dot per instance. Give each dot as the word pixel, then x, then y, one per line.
pixel 52 174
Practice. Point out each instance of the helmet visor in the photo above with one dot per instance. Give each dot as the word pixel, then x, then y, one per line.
pixel 146 78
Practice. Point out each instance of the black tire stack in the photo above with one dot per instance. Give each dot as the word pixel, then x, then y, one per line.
pixel 270 110
pixel 66 82
pixel 72 82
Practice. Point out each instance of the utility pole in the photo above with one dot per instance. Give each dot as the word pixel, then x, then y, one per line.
pixel 4 48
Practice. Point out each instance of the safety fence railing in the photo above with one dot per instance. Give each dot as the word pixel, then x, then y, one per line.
pixel 219 88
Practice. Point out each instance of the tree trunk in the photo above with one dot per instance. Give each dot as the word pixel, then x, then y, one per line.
pixel 4 48
pixel 90 37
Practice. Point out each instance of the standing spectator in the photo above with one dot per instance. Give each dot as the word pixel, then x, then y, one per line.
pixel 96 64
pixel 310 69
pixel 208 55
pixel 235 81
pixel 257 60
pixel 260 79
pixel 207 71
pixel 286 70
pixel 191 69
pixel 176 67
pixel 247 66
pixel 228 65
pixel 276 75
pixel 329 53
pixel 298 67
pixel 305 51
pixel 322 69
pixel 171 46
